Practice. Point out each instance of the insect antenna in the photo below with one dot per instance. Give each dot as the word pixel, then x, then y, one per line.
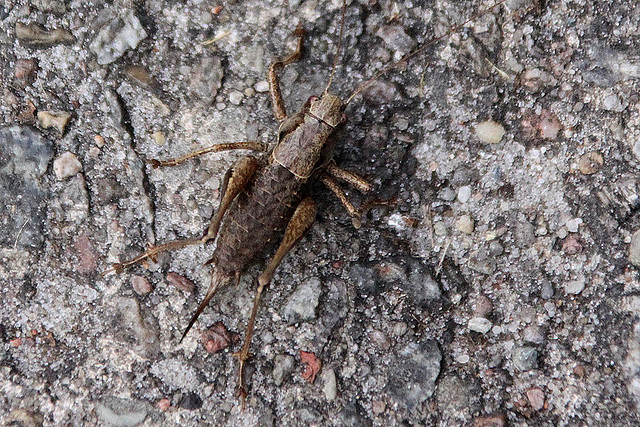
pixel 421 49
pixel 337 55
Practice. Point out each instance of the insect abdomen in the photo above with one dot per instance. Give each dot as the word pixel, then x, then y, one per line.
pixel 257 219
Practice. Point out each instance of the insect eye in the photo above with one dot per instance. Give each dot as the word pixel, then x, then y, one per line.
pixel 312 99
pixel 343 119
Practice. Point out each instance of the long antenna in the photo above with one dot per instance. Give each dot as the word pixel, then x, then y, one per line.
pixel 335 59
pixel 408 56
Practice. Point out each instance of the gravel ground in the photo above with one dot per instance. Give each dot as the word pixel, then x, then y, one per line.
pixel 494 279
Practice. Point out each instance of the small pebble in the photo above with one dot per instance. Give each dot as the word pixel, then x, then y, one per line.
pixel 380 339
pixel 440 229
pixel 396 38
pixel 35 35
pixel 163 404
pixel 108 416
pixel 399 329
pixel 465 224
pixel 562 233
pixel 496 248
pixel 479 324
pixel 447 194
pixel 330 386
pixel 535 78
pixel 533 334
pixel 282 368
pixel 262 86
pixel 158 137
pixel 66 166
pixel 571 245
pixel 482 306
pixel 536 398
pixel 25 68
pixel 525 358
pixel 573 225
pixel 139 75
pixel 494 421
pixel 580 371
pixel 141 285
pixel 590 163
pixel 190 401
pixel 613 102
pixel 217 338
pixel 123 32
pixel 180 282
pixel 634 249
pixel 378 407
pixel 546 290
pixel 551 308
pixel 235 97
pixel 464 194
pixel 490 132
pixel 549 125
pixel 302 304
pixel 636 149
pixel 54 119
pixel 574 287
pixel 463 358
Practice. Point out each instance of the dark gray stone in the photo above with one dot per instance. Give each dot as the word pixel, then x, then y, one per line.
pixel 24 157
pixel 413 379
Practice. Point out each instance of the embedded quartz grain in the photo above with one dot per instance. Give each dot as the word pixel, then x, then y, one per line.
pixel 66 165
pixel 123 32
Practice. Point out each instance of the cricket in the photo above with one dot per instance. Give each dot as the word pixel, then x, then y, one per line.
pixel 265 200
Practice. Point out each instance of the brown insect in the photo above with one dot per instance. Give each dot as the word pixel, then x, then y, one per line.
pixel 266 199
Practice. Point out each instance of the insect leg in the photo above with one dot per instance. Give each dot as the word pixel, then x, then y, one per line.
pixel 244 145
pixel 236 180
pixel 279 108
pixel 301 220
pixel 241 174
pixel 339 192
pixel 152 252
pixel 349 177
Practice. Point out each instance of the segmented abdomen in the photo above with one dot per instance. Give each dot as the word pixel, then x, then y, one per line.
pixel 257 219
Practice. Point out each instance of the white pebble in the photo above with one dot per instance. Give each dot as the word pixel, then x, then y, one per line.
pixel 262 86
pixel 235 97
pixel 490 132
pixel 67 165
pixel 634 249
pixel 575 286
pixel 464 194
pixel 463 358
pixel 479 324
pixel 573 225
pixel 465 224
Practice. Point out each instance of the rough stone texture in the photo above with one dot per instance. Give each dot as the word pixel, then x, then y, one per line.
pixel 551 245
pixel 122 32
pixel 24 188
